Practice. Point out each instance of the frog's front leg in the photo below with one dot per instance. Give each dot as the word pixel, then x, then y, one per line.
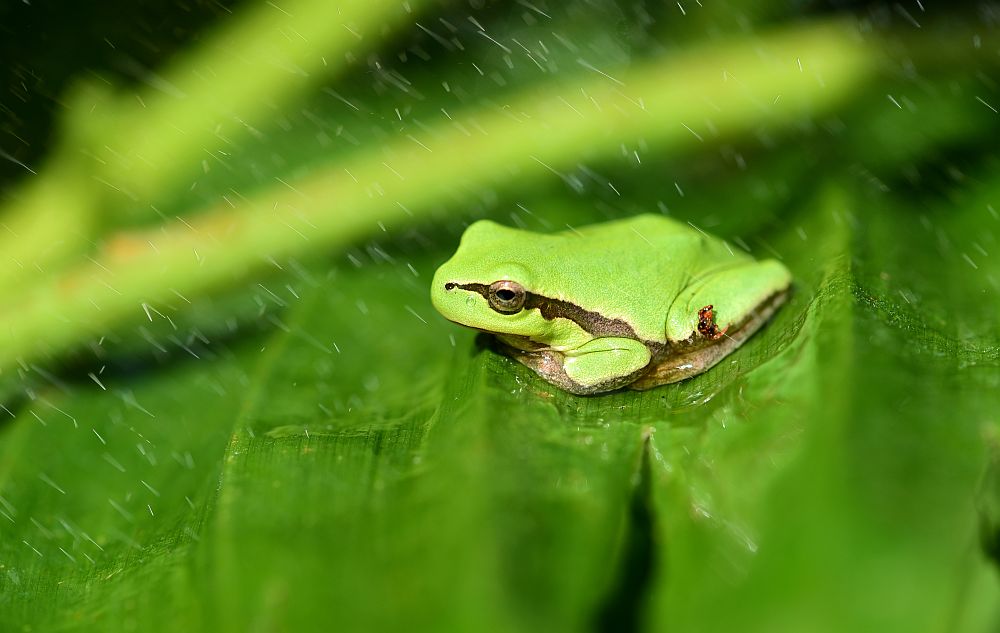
pixel 607 363
pixel 601 364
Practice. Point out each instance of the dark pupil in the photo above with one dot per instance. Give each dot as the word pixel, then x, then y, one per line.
pixel 505 295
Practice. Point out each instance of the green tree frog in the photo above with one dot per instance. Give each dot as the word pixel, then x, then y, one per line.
pixel 637 302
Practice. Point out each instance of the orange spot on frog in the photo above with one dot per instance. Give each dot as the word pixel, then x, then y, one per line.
pixel 706 324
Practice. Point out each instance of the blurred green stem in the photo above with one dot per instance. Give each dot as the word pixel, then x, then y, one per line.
pixel 242 76
pixel 673 104
pixel 120 151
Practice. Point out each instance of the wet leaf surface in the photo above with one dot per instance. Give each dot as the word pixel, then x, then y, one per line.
pixel 306 445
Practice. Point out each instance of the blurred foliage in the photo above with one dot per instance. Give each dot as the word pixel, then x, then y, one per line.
pixel 230 406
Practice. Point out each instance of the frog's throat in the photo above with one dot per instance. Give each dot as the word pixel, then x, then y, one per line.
pixel 593 323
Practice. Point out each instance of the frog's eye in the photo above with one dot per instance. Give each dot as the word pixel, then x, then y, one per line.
pixel 506 297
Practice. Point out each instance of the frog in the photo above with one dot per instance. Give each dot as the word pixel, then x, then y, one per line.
pixel 635 302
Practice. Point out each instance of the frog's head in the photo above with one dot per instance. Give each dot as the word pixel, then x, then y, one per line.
pixel 488 282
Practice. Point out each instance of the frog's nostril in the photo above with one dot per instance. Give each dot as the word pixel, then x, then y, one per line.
pixel 449 285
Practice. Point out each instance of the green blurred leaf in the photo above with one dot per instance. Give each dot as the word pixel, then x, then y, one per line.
pixel 270 431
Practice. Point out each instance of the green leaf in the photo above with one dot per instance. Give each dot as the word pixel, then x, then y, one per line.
pixel 277 433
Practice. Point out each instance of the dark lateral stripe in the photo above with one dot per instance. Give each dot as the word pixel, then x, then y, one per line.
pixel 593 323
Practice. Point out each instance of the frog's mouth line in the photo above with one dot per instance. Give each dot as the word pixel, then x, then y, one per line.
pixel 598 325
pixel 593 323
pixel 525 343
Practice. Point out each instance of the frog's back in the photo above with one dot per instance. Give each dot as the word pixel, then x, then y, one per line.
pixel 634 268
